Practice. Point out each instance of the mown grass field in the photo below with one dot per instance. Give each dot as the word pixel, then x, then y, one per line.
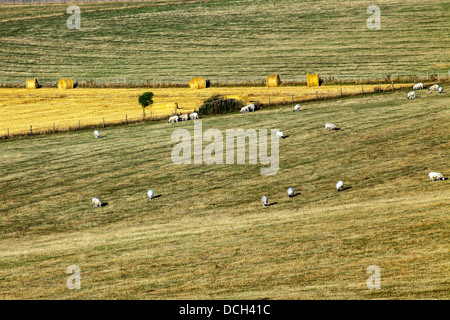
pixel 207 236
pixel 20 108
pixel 223 40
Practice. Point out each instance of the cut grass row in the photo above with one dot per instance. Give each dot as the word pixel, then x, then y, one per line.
pixel 223 40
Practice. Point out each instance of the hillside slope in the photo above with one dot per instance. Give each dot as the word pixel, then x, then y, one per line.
pixel 223 40
pixel 207 236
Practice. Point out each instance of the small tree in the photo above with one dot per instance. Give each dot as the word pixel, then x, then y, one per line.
pixel 145 100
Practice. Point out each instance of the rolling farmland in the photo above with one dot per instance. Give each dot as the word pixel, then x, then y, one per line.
pixel 20 108
pixel 205 234
pixel 224 245
pixel 223 40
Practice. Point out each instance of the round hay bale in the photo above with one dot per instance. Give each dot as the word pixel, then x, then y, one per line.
pixel 65 83
pixel 199 83
pixel 312 80
pixel 273 80
pixel 32 84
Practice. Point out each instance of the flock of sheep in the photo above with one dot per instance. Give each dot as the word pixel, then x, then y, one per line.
pixel 183 117
pixel 419 86
pixel 328 126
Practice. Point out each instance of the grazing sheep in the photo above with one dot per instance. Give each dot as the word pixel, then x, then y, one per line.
pixel 265 201
pixel 184 117
pixel 436 175
pixel 330 126
pixel 245 109
pixel 418 86
pixel 441 90
pixel 290 192
pixel 411 95
pixel 251 107
pixel 193 116
pixel 173 119
pixel 96 203
pixel 280 135
pixel 340 186
pixel 150 194
pixel 434 87
pixel 296 108
pixel 96 134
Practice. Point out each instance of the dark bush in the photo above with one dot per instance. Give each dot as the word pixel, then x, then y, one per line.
pixel 217 104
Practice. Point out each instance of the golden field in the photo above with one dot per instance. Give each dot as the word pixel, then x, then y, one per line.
pixel 40 108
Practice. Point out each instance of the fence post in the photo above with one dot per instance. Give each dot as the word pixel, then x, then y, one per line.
pixel 103 122
pixel 292 98
pixel 392 85
pixel 341 91
pixel 31 129
pixel 362 89
pixel 317 96
pixel 126 119
pixel 151 116
pixel 269 101
pixel 53 127
pixel 7 135
pixel 379 87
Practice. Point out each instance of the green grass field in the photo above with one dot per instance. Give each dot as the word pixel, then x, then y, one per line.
pixel 224 40
pixel 207 236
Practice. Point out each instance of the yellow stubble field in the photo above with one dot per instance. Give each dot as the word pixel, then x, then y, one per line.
pixel 45 107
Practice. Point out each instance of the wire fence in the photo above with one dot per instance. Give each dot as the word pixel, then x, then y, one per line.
pixel 124 81
pixel 271 101
pixel 24 2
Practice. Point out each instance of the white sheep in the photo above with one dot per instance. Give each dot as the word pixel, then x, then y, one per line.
pixel 96 203
pixel 296 108
pixel 245 109
pixel 280 135
pixel 184 117
pixel 193 116
pixel 96 134
pixel 434 87
pixel 411 95
pixel 418 86
pixel 265 201
pixel 290 192
pixel 251 107
pixel 330 126
pixel 441 90
pixel 150 194
pixel 436 175
pixel 173 119
pixel 340 186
